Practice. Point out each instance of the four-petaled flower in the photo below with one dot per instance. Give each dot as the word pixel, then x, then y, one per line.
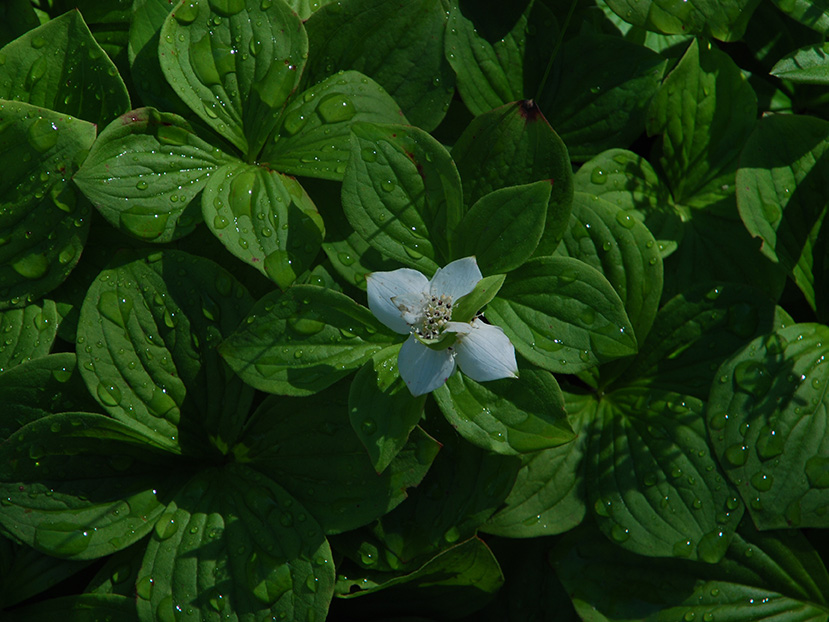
pixel 410 304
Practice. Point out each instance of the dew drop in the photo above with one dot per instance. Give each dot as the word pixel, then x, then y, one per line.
pixel 144 588
pixel 109 394
pixel 598 176
pixel 336 108
pixel 32 266
pixel 752 377
pixel 736 454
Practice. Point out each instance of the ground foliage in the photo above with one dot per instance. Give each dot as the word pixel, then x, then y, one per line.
pixel 202 420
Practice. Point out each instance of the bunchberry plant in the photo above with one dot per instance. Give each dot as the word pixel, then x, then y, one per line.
pixel 435 310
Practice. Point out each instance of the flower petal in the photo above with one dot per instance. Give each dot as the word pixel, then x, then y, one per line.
pixel 411 306
pixel 483 351
pixel 383 286
pixel 456 279
pixel 423 369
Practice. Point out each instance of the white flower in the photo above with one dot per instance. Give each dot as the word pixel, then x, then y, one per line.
pixel 410 304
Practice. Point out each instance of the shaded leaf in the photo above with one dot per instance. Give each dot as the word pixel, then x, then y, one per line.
pixel 34 389
pixel 494 70
pixel 80 608
pixel 503 228
pixel 653 482
pixel 767 417
pixel 303 340
pixel 510 416
pixel 43 223
pixel 60 66
pixel 314 130
pixel 29 333
pixel 610 112
pixel 134 174
pixel 780 193
pixel 27 572
pixel 722 19
pixel 618 245
pixel 762 576
pixel 231 542
pixel 515 145
pixel 381 408
pixel 455 582
pixel 234 64
pixel 265 219
pixel 402 194
pixel 705 111
pixel 562 315
pixel 81 486
pixel 343 491
pixel 147 338
pixel 400 46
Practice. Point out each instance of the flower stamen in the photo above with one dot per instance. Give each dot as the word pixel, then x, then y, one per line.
pixel 436 312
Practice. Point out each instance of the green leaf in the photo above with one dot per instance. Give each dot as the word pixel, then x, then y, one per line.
pixel 234 64
pixel 232 543
pixel 402 194
pixel 762 577
pixel 109 23
pixel 628 180
pixel 145 29
pixel 705 111
pixel 504 227
pixel 264 218
pixel 653 482
pixel 118 574
pixel 382 410
pixel 713 244
pixel 79 608
pixel 716 247
pixel 611 112
pixel 464 486
pixel 515 145
pixel 286 438
pixel 469 305
pixel 304 8
pixel 562 315
pixel 134 174
pixel 350 255
pixel 313 136
pixel 43 225
pixel 29 333
pixel 811 13
pixel 16 18
pixel 453 583
pixel 27 572
pixel 34 389
pixel 548 496
pixel 81 486
pixel 781 195
pixel 60 66
pixel 618 245
pixel 767 415
pixel 693 332
pixel 510 416
pixel 722 19
pixel 808 65
pixel 147 338
pixel 494 70
pixel 303 340
pixel 400 46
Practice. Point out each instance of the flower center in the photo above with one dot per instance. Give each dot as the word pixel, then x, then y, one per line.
pixel 435 314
